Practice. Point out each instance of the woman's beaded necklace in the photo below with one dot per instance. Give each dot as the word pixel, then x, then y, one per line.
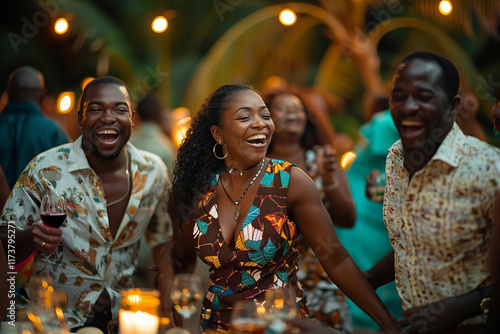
pixel 236 210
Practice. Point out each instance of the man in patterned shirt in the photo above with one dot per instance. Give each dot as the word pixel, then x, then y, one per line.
pixel 114 194
pixel 438 203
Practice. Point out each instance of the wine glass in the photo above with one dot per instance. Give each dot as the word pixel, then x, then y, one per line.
pixel 280 306
pixel 53 210
pixel 44 308
pixel 248 318
pixel 185 293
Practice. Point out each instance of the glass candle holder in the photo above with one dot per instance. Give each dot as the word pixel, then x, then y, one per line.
pixel 139 311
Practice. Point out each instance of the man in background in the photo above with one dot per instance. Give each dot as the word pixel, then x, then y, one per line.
pixel 149 136
pixel 24 130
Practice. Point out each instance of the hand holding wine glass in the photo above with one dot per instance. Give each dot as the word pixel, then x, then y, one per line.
pixel 46 235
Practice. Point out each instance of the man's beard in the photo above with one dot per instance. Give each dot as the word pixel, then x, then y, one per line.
pixel 91 147
pixel 110 156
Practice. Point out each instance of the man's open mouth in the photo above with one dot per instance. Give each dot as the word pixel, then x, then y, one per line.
pixel 412 127
pixel 107 135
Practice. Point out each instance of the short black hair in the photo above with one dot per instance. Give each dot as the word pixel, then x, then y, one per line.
pixel 103 80
pixel 449 77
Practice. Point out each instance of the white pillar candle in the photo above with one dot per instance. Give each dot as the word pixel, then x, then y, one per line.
pixel 138 322
pixel 139 311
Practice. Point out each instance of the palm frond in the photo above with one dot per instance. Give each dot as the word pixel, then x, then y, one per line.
pixel 467 15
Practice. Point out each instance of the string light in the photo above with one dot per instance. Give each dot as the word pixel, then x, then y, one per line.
pixel 65 102
pixel 61 26
pixel 287 17
pixel 159 24
pixel 445 7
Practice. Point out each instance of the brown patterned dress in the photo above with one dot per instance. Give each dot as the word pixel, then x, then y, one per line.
pixel 264 256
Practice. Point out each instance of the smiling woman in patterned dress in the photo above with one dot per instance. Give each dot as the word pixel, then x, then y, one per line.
pixel 242 212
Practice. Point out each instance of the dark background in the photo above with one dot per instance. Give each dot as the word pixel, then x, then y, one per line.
pixel 118 34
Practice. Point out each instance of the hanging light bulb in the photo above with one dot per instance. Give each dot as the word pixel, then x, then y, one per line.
pixel 287 17
pixel 445 7
pixel 65 102
pixel 61 26
pixel 159 24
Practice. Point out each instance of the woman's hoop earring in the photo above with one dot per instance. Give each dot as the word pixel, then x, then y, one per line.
pixel 225 155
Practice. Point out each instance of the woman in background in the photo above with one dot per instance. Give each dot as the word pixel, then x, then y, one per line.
pixel 304 137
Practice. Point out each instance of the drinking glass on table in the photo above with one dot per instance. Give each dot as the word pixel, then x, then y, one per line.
pixel 280 306
pixel 53 210
pixel 44 307
pixel 247 317
pixel 185 293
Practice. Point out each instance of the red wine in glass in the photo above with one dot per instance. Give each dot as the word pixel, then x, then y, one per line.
pixel 53 210
pixel 53 219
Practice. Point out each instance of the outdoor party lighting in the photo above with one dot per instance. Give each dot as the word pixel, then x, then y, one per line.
pixel 138 312
pixel 180 130
pixel 159 24
pixel 445 7
pixel 287 17
pixel 347 159
pixel 65 102
pixel 61 26
pixel 85 81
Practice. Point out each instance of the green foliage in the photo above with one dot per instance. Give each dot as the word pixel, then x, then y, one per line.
pixel 183 65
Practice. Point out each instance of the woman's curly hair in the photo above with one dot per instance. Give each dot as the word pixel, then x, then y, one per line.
pixel 196 163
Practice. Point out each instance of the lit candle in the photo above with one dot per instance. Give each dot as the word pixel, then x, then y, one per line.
pixel 139 311
pixel 138 322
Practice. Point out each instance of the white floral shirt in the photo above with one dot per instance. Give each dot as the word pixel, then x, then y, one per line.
pixel 440 220
pixel 89 259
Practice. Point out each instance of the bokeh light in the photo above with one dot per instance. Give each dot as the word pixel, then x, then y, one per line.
pixel 65 102
pixel 287 17
pixel 347 159
pixel 445 7
pixel 180 129
pixel 160 24
pixel 85 82
pixel 61 26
